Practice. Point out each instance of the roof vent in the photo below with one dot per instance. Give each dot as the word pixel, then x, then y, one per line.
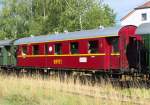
pixel 65 31
pixel 101 27
pixel 32 36
pixel 56 32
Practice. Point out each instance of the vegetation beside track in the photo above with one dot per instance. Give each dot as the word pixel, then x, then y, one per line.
pixel 36 91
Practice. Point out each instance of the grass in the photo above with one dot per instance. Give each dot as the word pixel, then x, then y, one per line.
pixel 36 91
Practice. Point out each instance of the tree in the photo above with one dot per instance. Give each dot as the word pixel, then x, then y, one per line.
pixel 14 16
pixel 21 18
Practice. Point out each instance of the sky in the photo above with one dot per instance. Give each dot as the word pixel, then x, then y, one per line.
pixel 123 7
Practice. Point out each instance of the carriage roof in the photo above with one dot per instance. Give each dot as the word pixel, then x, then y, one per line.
pixel 111 31
pixel 7 42
pixel 143 29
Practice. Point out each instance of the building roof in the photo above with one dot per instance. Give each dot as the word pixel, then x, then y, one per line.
pixel 128 15
pixel 112 31
pixel 143 29
pixel 143 6
pixel 6 42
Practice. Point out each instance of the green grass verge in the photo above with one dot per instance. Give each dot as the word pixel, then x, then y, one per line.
pixel 29 91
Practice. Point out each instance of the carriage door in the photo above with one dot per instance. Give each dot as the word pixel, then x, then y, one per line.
pixel 115 55
pixel 107 53
pixel 123 58
pixel 112 53
pixel 1 56
pixel 133 53
pixel 147 50
pixel 144 50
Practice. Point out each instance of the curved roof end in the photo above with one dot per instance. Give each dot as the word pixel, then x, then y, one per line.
pixel 143 29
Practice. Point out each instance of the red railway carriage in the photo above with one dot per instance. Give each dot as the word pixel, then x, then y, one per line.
pixel 98 49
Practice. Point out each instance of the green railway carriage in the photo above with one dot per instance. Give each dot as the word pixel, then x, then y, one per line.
pixel 144 31
pixel 7 53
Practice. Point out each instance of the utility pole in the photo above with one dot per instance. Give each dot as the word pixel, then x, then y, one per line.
pixel 31 8
pixel 80 16
pixel 44 8
pixel 81 27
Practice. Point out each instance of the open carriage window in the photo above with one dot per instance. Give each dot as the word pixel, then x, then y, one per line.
pixel 115 46
pixel 93 46
pixel 24 50
pixel 74 48
pixel 35 49
pixel 58 49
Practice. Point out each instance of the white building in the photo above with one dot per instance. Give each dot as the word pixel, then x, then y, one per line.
pixel 138 16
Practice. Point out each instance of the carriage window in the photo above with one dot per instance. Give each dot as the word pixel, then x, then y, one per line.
pixel 0 51
pixel 24 49
pixel 46 48
pixel 93 46
pixel 74 48
pixel 58 49
pixel 8 50
pixel 115 48
pixel 35 49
